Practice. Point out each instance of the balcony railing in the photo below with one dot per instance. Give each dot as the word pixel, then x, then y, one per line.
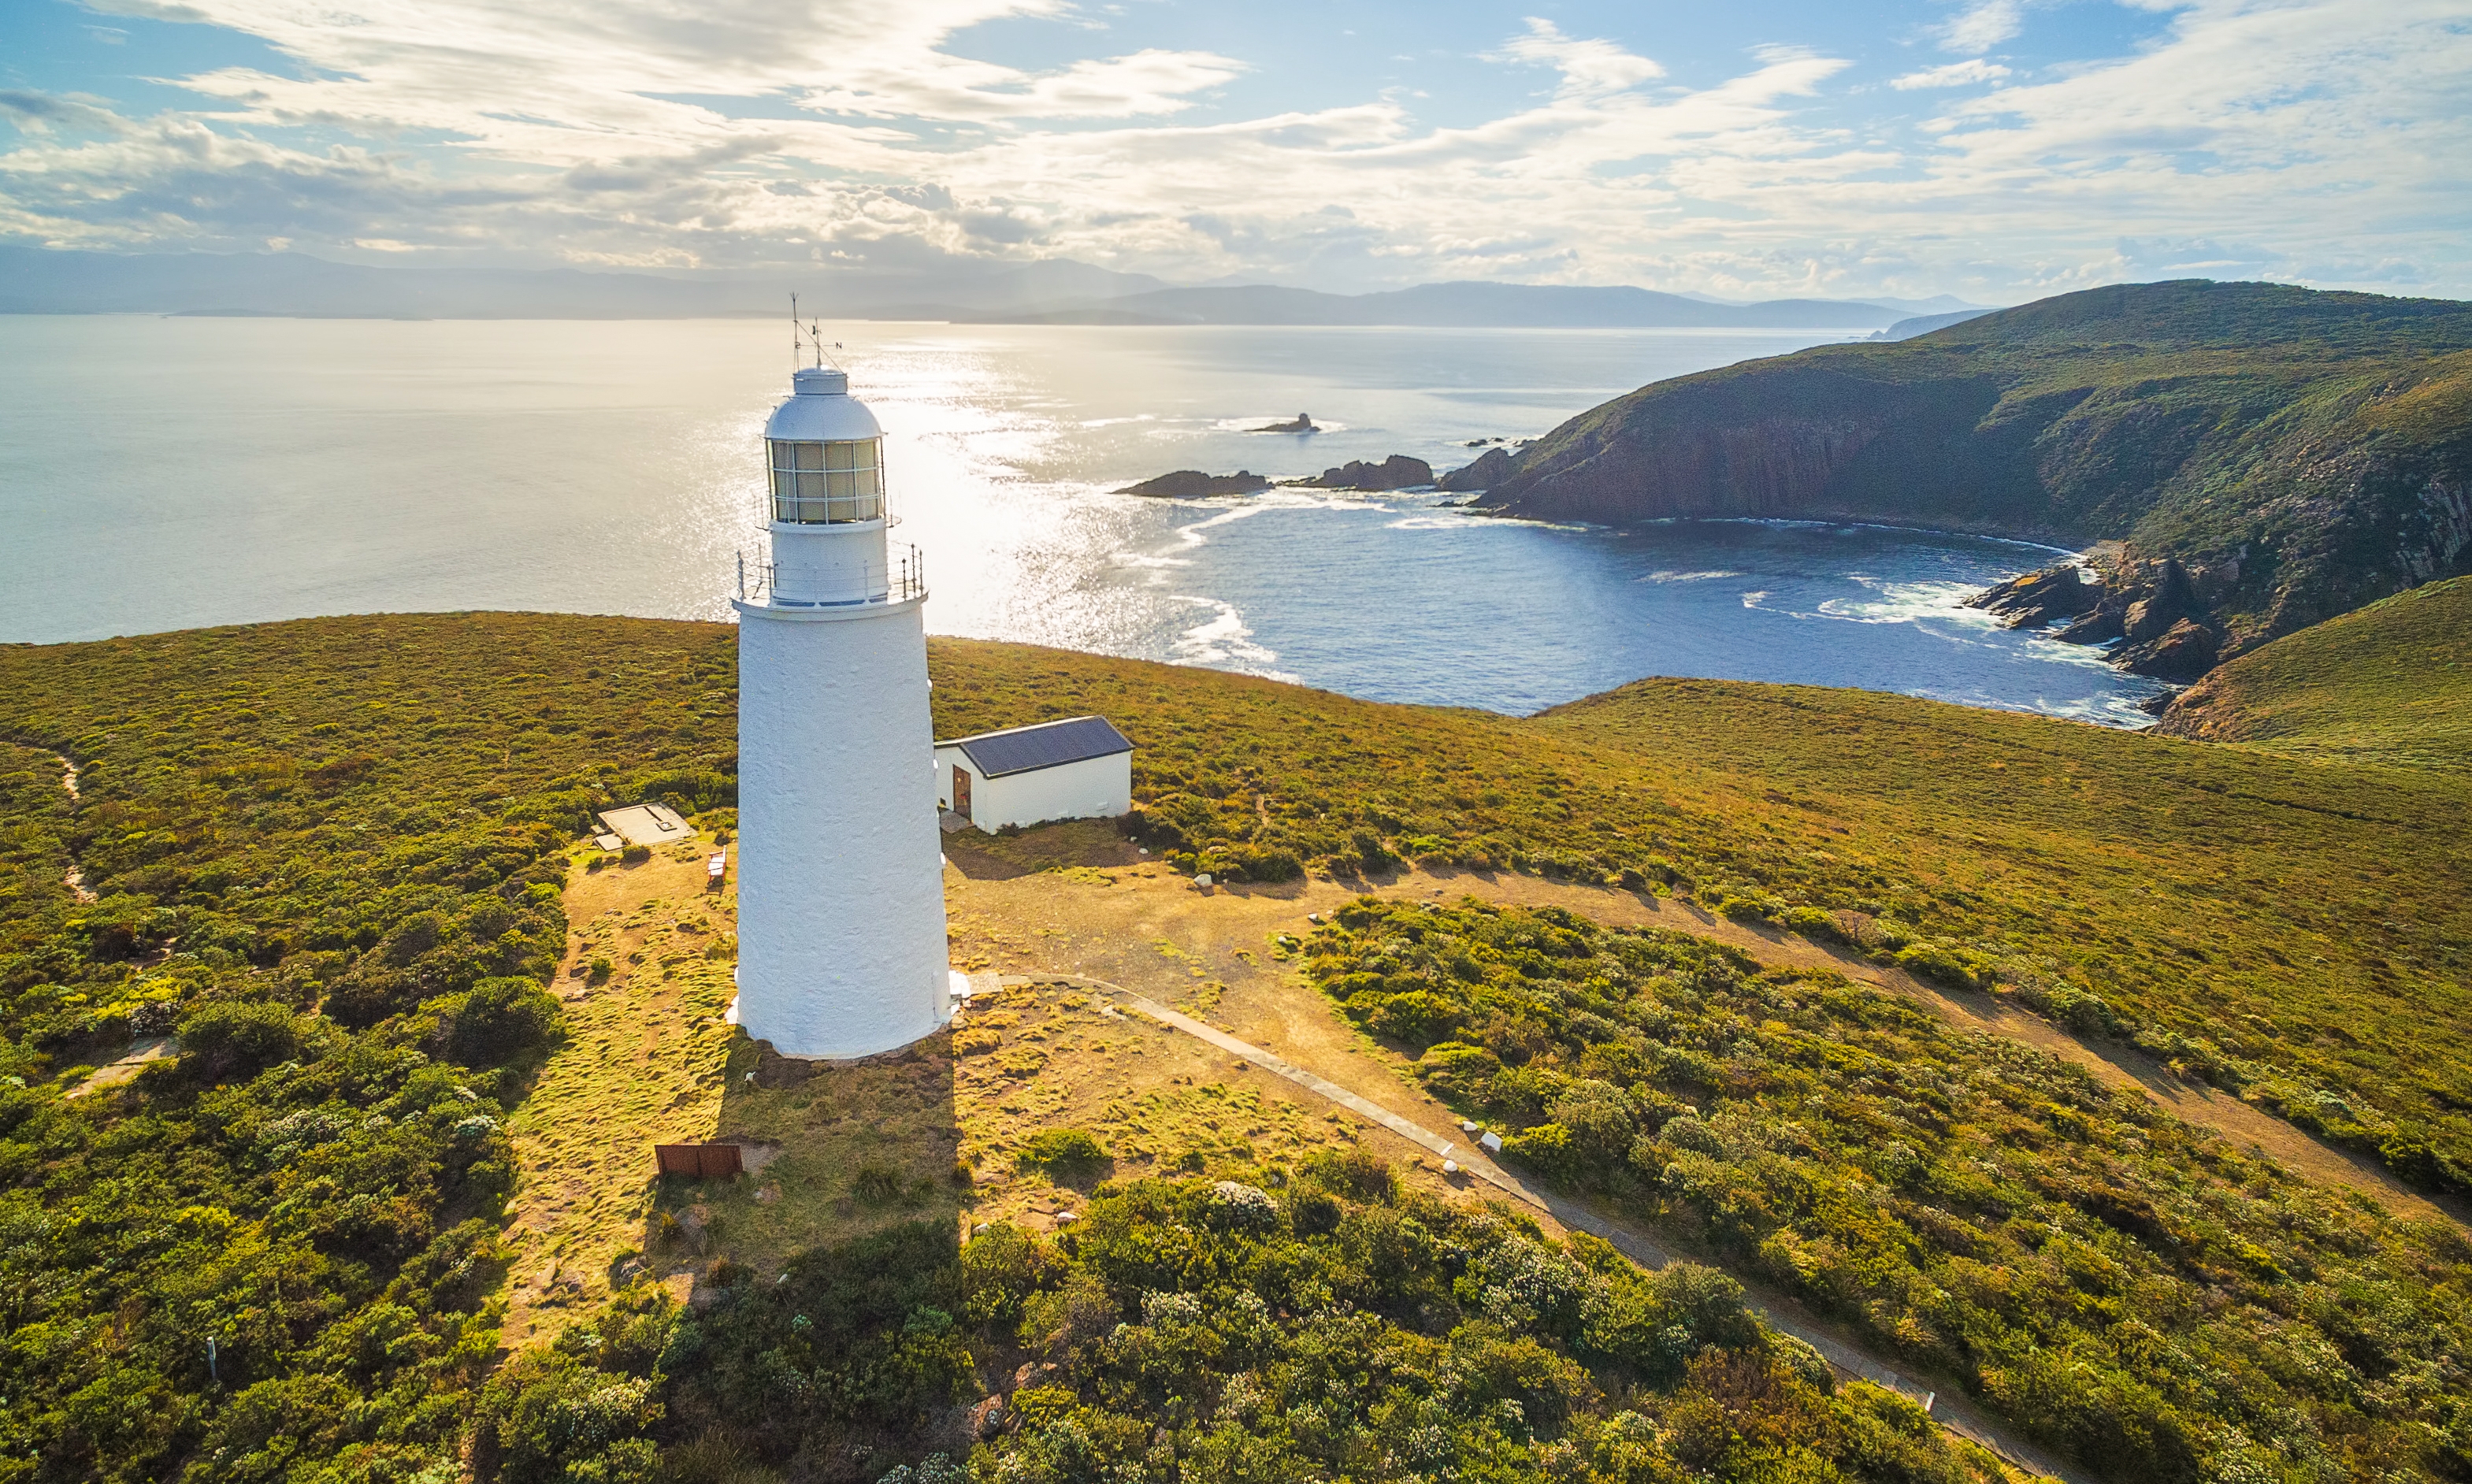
pixel 899 580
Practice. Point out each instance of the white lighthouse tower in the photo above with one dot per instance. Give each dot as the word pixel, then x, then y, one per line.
pixel 841 883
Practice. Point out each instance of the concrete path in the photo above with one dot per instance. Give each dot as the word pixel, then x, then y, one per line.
pixel 1956 1413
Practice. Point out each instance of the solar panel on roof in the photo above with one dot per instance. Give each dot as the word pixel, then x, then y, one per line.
pixel 1026 749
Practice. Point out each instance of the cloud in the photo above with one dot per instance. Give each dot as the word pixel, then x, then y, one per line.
pixel 1589 68
pixel 2319 135
pixel 1983 25
pixel 1956 74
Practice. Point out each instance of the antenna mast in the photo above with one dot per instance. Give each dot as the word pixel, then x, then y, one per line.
pixel 793 330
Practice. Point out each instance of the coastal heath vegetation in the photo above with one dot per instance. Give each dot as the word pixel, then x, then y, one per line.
pixel 329 857
pixel 2391 684
pixel 2140 1295
pixel 332 848
pixel 2297 933
pixel 1319 1325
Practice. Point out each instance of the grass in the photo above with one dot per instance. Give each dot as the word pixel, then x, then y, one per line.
pixel 361 813
pixel 2293 930
pixel 2390 684
pixel 643 1062
pixel 2298 934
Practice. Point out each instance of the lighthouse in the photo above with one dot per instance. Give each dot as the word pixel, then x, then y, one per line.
pixel 841 883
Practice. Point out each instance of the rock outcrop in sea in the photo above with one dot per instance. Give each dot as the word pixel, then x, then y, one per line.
pixel 1396 472
pixel 1195 484
pixel 2163 611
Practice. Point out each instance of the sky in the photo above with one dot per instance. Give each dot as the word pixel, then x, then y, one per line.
pixel 1999 150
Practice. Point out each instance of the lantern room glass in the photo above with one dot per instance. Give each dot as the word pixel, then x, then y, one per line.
pixel 827 483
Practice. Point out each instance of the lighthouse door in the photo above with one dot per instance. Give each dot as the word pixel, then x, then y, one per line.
pixel 961 792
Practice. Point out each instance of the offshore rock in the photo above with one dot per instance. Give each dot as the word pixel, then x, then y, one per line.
pixel 2038 597
pixel 1303 423
pixel 1396 472
pixel 1195 484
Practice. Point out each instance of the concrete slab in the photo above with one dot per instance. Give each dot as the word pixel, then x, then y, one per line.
pixel 647 824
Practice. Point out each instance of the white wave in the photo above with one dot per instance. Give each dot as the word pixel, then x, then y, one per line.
pixel 1436 523
pixel 1686 577
pixel 1755 598
pixel 1906 602
pixel 1191 535
pixel 1222 639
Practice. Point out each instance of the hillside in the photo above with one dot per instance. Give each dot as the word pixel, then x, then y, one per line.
pixel 330 853
pixel 2296 454
pixel 2390 683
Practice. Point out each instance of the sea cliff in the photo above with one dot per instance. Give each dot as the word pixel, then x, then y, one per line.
pixel 2306 452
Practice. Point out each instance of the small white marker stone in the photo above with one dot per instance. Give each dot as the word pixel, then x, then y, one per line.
pixel 1450 1166
pixel 1492 1143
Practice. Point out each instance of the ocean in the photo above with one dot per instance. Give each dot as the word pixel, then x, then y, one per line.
pixel 167 473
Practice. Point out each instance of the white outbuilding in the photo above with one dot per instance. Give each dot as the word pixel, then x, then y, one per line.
pixel 1081 768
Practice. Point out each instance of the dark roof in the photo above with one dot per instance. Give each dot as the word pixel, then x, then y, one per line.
pixel 1026 749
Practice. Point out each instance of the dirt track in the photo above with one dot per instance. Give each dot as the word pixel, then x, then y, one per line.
pixel 1146 927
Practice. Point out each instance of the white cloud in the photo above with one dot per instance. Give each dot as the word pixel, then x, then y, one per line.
pixel 1956 74
pixel 1588 68
pixel 2321 135
pixel 1983 25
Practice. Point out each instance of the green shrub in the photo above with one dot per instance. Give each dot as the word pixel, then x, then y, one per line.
pixel 549 1418
pixel 1063 1151
pixel 238 1038
pixel 497 1020
pixel 1938 962
pixel 1548 1150
pixel 1267 863
pixel 876 1185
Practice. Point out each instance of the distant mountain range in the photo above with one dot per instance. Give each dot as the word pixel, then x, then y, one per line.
pixel 1464 305
pixel 292 284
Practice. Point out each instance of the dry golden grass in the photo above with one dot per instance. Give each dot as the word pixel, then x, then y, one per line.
pixel 642 1064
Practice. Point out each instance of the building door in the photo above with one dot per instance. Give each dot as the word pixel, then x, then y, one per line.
pixel 960 791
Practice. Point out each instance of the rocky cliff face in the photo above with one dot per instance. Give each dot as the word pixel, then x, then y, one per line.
pixel 2268 456
pixel 2162 611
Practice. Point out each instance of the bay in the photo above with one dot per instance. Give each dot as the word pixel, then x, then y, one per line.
pixel 169 473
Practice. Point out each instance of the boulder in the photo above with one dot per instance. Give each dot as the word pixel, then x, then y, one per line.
pixel 1195 484
pixel 987 1419
pixel 2184 651
pixel 2038 597
pixel 1304 423
pixel 1396 472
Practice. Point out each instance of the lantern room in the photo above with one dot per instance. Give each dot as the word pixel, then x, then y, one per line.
pixel 827 454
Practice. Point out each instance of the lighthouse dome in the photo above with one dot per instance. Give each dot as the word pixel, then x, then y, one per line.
pixel 822 410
